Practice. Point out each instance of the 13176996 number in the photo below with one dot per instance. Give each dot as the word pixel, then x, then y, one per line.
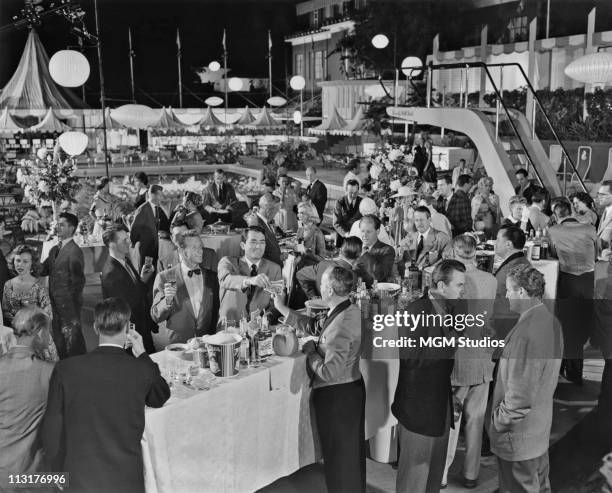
pixel 40 480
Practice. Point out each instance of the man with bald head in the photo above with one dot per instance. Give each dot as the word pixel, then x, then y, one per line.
pixel 268 208
pixel 316 190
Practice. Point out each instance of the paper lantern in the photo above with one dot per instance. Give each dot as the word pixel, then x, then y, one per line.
pixel 73 143
pixel 375 91
pixel 297 82
pixel 411 61
pixel 235 84
pixel 297 117
pixel 135 115
pixel 380 41
pixel 41 153
pixel 214 66
pixel 276 101
pixel 213 101
pixel 69 68
pixel 594 68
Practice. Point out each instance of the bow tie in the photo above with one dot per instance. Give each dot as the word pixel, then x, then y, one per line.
pixel 197 272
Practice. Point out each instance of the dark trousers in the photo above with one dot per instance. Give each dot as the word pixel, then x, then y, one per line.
pixel 574 309
pixel 340 415
pixel 524 476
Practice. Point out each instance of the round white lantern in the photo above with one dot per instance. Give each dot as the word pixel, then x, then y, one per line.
pixel 594 68
pixel 276 101
pixel 297 117
pixel 135 115
pixel 73 143
pixel 380 41
pixel 411 61
pixel 42 153
pixel 214 66
pixel 69 68
pixel 297 82
pixel 213 101
pixel 235 84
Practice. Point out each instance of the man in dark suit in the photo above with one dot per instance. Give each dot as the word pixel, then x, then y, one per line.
pixel 423 403
pixel 456 205
pixel 524 186
pixel 95 417
pixel 243 281
pixel 575 245
pixel 149 220
pixel 309 278
pixel 186 297
pixel 316 190
pixel 346 211
pixel 378 258
pixel 268 208
pixel 65 268
pixel 509 247
pixel 120 279
pixel 217 199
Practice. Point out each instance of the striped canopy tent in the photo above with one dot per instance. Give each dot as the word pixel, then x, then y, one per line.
pixel 246 118
pixel 111 124
pixel 355 127
pixel 265 120
pixel 32 87
pixel 329 125
pixel 167 120
pixel 210 120
pixel 50 123
pixel 8 126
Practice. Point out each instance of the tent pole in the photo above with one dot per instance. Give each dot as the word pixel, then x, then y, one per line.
pixel 101 75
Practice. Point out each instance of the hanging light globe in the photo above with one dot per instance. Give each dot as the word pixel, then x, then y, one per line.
pixel 73 143
pixel 214 66
pixel 235 84
pixel 213 101
pixel 297 82
pixel 69 68
pixel 380 41
pixel 276 101
pixel 297 117
pixel 594 68
pixel 411 61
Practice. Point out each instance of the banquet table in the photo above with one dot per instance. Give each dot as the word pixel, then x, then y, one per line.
pixel 242 434
pixel 94 254
pixel 225 245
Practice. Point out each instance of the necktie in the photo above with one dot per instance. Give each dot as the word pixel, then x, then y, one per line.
pixel 197 272
pixel 220 193
pixel 251 291
pixel 419 248
pixel 445 204
pixel 130 269
pixel 157 217
pixel 59 247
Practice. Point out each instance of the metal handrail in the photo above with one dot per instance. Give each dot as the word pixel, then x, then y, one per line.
pixel 445 66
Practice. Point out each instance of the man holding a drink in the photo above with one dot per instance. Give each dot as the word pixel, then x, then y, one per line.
pixel 186 295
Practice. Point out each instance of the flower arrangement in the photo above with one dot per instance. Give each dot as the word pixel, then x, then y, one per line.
pixel 391 167
pixel 48 181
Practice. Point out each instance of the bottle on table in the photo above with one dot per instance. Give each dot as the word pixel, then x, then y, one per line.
pixel 537 246
pixel 404 299
pixel 245 344
pixel 545 249
pixel 414 277
pixel 265 338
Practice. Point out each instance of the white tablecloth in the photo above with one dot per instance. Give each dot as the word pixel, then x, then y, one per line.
pixel 239 436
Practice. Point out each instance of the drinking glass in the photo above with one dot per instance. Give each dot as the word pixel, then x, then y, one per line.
pixel 170 276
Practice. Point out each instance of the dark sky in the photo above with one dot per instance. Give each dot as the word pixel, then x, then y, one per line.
pixel 154 24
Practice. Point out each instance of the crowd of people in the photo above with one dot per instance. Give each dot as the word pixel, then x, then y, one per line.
pixel 64 409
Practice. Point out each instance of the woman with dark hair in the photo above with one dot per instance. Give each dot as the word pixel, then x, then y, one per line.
pixel 584 209
pixel 26 289
pixel 141 182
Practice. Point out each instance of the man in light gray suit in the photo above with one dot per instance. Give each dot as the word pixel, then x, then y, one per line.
pixel 243 281
pixel 473 368
pixel 522 404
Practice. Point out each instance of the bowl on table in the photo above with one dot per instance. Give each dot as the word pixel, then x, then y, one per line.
pixel 391 288
pixel 177 349
pixel 316 307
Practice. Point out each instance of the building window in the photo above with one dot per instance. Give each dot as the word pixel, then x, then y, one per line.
pixel 299 64
pixel 318 71
pixel 315 18
pixel 518 29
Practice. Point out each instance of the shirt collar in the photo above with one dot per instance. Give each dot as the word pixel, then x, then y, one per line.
pixel 263 218
pixel 110 344
pixel 425 233
pixel 185 270
pixel 63 243
pixel 120 260
pixel 251 264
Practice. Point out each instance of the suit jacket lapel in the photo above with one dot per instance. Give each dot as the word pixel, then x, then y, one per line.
pixel 182 291
pixel 603 224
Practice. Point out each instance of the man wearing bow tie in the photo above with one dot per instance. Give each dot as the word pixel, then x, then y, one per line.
pixel 186 296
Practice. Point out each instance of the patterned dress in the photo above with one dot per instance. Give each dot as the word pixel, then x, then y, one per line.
pixel 37 294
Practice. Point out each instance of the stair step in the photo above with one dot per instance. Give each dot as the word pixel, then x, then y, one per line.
pixel 515 151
